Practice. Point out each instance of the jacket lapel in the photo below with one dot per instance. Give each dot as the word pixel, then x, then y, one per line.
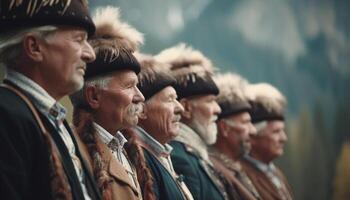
pixel 208 171
pixel 85 160
pixel 115 169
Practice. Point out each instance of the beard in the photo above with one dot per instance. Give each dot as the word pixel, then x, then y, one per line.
pixel 244 148
pixel 207 133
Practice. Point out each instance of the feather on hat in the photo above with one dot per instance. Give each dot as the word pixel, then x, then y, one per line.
pixel 114 43
pixel 154 75
pixel 232 97
pixel 192 70
pixel 267 101
pixel 185 61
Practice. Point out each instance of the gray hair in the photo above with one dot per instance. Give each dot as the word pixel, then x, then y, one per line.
pixel 11 42
pixel 100 82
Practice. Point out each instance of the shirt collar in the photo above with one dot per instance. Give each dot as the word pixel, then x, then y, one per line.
pixel 153 143
pixel 107 138
pixel 189 137
pixel 45 103
pixel 267 168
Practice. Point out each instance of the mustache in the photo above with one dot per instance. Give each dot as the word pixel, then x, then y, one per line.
pixel 214 118
pixel 135 109
pixel 177 118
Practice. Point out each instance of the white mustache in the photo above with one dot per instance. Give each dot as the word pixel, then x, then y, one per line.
pixel 177 118
pixel 135 109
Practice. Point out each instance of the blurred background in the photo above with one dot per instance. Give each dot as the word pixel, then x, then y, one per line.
pixel 300 46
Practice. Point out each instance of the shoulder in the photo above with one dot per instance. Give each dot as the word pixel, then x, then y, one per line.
pixel 12 106
pixel 18 126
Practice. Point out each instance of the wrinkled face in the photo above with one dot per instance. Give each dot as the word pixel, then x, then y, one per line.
pixel 239 128
pixel 65 54
pixel 269 142
pixel 163 113
pixel 120 102
pixel 205 111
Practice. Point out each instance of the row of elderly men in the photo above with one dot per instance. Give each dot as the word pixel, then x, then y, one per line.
pixel 126 115
pixel 167 107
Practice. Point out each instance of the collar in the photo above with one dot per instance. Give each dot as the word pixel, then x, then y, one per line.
pixel 189 137
pixel 158 148
pixel 225 160
pixel 44 102
pixel 108 138
pixel 266 168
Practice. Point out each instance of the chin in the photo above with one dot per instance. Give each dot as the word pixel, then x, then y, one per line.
pixel 77 84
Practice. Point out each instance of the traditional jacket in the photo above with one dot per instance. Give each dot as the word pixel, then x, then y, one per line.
pixel 166 183
pixel 237 183
pixel 190 159
pixel 270 186
pixel 34 165
pixel 111 176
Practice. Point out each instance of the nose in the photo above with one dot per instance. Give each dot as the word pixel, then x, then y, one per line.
pixel 284 137
pixel 217 109
pixel 252 129
pixel 138 98
pixel 178 107
pixel 88 53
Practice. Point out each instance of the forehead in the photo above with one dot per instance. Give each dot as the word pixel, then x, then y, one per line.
pixel 168 91
pixel 276 124
pixel 69 31
pixel 239 116
pixel 203 98
pixel 123 77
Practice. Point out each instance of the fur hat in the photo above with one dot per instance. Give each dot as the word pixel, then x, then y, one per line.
pixel 268 103
pixel 154 75
pixel 114 43
pixel 32 13
pixel 232 97
pixel 192 70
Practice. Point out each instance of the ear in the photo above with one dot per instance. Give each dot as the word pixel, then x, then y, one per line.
pixel 33 47
pixel 143 114
pixel 92 96
pixel 187 113
pixel 222 128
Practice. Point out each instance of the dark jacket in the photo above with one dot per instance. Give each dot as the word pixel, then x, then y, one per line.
pixel 194 172
pixel 164 185
pixel 24 157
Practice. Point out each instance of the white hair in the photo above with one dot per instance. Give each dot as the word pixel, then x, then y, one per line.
pixel 10 42
pixel 100 82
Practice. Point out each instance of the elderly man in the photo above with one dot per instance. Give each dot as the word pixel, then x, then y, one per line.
pixel 109 102
pixel 197 93
pixel 268 118
pixel 234 129
pixel 159 123
pixel 44 49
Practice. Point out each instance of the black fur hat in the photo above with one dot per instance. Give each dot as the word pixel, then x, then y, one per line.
pixel 114 44
pixel 154 75
pixel 191 69
pixel 232 97
pixel 31 13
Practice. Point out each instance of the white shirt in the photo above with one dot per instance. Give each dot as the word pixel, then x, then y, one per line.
pixel 268 169
pixel 55 112
pixel 118 153
pixel 163 154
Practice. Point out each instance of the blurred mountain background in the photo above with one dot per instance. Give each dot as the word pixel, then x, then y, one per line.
pixel 300 46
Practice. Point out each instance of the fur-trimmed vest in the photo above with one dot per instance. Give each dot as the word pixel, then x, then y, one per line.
pixel 111 176
pixel 263 184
